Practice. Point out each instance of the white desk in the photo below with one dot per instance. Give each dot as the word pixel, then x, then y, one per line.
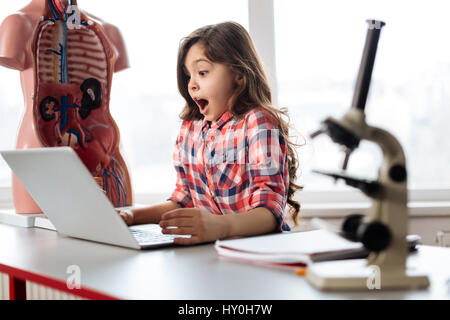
pixel 185 273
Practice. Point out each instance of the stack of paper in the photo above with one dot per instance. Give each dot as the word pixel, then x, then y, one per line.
pixel 291 249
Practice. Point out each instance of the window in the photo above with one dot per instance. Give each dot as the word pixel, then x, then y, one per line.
pixel 318 52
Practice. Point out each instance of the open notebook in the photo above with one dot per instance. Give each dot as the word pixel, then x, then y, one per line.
pixel 294 249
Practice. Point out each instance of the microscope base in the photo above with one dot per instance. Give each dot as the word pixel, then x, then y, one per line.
pixel 356 275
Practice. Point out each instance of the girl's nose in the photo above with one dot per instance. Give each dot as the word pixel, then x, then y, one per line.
pixel 193 86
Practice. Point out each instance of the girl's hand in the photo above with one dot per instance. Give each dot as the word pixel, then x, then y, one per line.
pixel 202 225
pixel 127 216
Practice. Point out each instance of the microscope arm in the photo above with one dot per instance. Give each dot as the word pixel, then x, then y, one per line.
pixel 393 168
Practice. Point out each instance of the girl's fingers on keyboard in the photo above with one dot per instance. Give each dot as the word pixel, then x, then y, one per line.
pixel 126 216
pixel 177 222
pixel 187 241
pixel 178 230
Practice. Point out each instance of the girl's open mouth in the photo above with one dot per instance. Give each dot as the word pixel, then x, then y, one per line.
pixel 202 103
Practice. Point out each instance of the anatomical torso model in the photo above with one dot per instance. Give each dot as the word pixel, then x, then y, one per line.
pixel 66 58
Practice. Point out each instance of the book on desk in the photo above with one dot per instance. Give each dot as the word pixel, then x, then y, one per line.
pixel 295 249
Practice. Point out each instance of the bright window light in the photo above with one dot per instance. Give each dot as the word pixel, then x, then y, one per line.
pixel 319 46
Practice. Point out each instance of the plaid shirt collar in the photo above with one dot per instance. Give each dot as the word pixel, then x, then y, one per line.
pixel 223 119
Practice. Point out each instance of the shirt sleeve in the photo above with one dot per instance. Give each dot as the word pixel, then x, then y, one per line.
pixel 181 195
pixel 267 161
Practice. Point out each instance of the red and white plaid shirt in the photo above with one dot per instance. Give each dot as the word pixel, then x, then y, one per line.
pixel 233 165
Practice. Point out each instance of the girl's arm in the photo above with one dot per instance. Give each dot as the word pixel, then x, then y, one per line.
pixel 206 227
pixel 253 222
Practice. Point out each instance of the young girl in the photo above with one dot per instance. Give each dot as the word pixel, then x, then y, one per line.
pixel 236 168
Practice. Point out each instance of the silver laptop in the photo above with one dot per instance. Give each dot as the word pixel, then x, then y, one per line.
pixel 66 192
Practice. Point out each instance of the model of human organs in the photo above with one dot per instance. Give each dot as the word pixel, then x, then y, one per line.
pixel 73 61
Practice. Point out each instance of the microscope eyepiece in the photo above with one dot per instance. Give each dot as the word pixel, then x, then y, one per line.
pixel 367 63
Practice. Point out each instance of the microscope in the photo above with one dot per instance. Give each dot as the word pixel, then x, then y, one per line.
pixel 383 230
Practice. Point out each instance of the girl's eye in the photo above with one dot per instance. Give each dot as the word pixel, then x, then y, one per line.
pixel 202 73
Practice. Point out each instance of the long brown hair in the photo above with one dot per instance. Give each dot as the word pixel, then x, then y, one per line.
pixel 229 43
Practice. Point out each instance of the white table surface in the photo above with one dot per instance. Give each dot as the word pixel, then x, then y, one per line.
pixel 188 273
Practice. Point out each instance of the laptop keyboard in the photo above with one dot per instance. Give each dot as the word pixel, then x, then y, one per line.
pixel 153 235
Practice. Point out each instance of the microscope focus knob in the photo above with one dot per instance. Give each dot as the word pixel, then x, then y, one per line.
pixel 375 236
pixel 351 225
